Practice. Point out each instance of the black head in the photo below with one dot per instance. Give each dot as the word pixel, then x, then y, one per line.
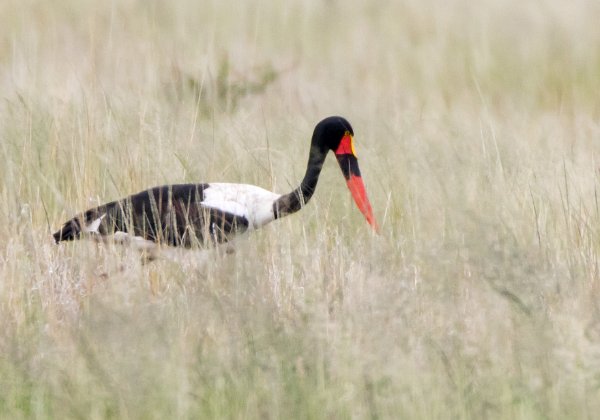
pixel 329 133
pixel 336 134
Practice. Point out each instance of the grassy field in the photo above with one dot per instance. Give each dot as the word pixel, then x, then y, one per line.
pixel 478 133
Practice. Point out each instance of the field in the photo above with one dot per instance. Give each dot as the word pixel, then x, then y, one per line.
pixel 478 134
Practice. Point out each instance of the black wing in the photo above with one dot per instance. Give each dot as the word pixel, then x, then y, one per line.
pixel 170 214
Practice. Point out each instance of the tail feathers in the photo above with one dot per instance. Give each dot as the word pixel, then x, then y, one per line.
pixel 71 230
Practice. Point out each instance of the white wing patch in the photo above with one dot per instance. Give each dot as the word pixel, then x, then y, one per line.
pixel 253 203
pixel 93 226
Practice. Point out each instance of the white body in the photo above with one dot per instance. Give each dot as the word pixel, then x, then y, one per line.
pixel 249 201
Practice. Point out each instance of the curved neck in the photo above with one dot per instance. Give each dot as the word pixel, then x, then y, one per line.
pixel 295 200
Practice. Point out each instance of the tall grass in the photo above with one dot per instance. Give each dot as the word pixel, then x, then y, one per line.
pixel 477 130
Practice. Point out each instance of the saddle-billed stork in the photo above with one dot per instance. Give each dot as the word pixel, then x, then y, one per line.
pixel 203 214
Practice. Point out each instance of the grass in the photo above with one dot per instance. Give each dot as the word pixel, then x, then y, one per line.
pixel 478 136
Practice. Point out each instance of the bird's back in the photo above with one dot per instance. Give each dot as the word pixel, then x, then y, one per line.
pixel 177 215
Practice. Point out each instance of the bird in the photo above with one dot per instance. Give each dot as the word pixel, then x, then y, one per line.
pixel 207 214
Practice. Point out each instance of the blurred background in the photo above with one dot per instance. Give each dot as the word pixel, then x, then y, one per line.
pixel 477 130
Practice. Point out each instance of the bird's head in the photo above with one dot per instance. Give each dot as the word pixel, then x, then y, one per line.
pixel 336 134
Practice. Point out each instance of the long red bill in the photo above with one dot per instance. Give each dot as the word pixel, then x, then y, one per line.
pixel 357 189
pixel 346 158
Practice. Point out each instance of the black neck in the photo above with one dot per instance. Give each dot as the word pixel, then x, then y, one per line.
pixel 294 201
